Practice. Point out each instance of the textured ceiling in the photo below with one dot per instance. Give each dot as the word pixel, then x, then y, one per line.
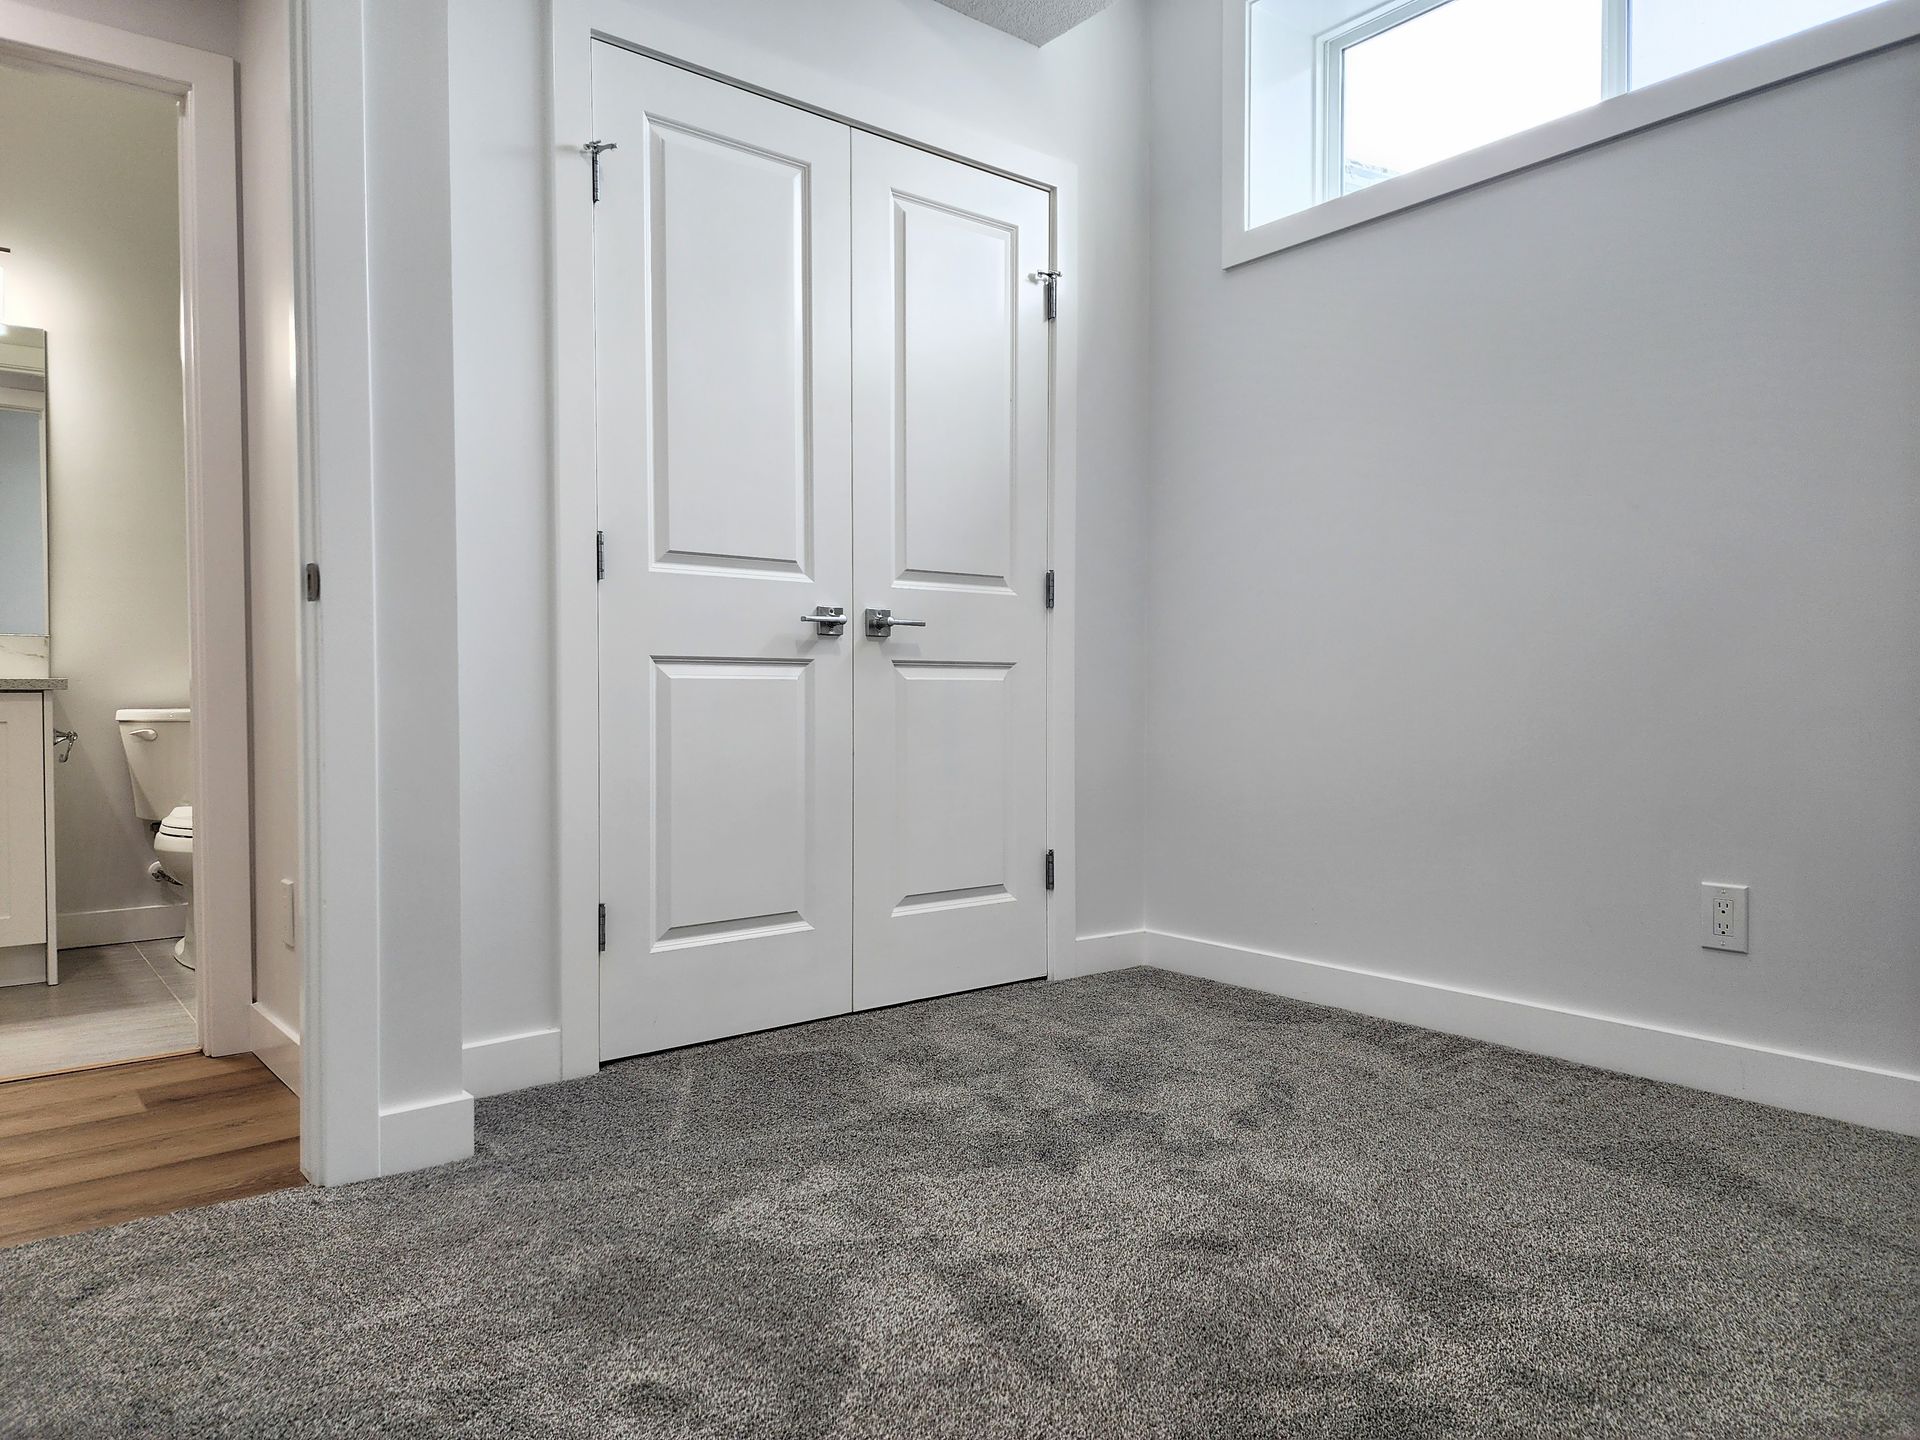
pixel 1034 21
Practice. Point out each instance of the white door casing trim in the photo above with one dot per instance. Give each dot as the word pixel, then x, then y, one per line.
pixel 211 340
pixel 339 923
pixel 574 26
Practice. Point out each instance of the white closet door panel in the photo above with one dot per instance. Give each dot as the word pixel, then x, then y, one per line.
pixel 723 376
pixel 950 486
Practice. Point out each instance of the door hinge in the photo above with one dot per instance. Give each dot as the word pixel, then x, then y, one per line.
pixel 1050 295
pixel 313 581
pixel 1050 589
pixel 594 148
pixel 1049 869
pixel 603 928
pixel 599 554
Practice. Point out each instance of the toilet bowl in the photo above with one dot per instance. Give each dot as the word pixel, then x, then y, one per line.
pixel 173 847
pixel 160 764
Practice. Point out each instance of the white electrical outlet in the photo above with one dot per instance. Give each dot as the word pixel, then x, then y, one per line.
pixel 1723 917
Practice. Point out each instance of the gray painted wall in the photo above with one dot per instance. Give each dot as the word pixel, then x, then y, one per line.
pixel 1520 562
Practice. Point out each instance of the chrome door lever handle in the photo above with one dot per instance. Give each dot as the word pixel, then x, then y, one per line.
pixel 880 624
pixel 832 619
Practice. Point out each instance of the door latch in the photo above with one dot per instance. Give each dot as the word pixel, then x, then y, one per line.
pixel 881 623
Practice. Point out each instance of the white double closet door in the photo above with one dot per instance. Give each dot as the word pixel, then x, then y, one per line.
pixel 822 371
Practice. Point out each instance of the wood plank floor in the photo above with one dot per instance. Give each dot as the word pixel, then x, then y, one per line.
pixel 97 1147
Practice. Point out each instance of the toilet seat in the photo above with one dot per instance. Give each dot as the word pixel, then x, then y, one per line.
pixel 179 823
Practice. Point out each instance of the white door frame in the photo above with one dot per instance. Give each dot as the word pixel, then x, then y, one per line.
pixel 339 921
pixel 575 25
pixel 216 477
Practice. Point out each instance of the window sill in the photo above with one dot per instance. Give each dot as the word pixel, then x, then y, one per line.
pixel 1849 38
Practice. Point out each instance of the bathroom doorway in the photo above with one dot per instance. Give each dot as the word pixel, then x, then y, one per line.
pixel 130 920
pixel 93 481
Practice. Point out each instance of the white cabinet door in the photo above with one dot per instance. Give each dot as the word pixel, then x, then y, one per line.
pixel 723 377
pixel 23 819
pixel 950 515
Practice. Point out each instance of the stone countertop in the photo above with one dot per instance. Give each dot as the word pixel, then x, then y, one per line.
pixel 30 682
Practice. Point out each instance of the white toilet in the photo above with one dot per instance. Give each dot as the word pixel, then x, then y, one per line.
pixel 159 750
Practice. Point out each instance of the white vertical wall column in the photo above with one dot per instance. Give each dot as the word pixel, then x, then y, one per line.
pixel 426 1114
pixel 508 861
pixel 383 723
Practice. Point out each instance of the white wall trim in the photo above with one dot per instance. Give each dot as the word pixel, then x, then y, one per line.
pixel 216 475
pixel 341 1128
pixel 575 25
pixel 1116 950
pixel 1892 23
pixel 23 965
pixel 511 1062
pixel 82 928
pixel 276 1045
pixel 576 646
pixel 48 809
pixel 1816 1085
pixel 433 1132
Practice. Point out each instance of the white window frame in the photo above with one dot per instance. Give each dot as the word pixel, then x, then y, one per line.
pixel 1330 74
pixel 1623 111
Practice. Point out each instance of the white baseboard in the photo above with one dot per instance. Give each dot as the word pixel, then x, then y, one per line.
pixel 23 965
pixel 511 1062
pixel 434 1132
pixel 276 1045
pixel 83 928
pixel 1094 953
pixel 1860 1094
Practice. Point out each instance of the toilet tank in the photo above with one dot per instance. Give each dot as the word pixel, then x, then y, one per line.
pixel 159 750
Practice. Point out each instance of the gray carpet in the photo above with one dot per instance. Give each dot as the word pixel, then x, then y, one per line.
pixel 1134 1204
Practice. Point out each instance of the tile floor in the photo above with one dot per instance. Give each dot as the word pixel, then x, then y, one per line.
pixel 113 1003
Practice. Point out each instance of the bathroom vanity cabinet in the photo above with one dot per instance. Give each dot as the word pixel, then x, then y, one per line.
pixel 29 952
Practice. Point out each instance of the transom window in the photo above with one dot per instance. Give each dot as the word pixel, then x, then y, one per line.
pixel 1342 97
pixel 1415 82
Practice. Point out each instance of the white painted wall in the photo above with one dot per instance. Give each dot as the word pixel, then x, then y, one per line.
pixel 96 264
pixel 1081 98
pixel 1522 561
pixel 212 25
pixel 273 539
pixel 410 305
pixel 498 64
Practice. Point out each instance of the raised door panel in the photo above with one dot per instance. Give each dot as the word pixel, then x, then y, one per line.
pixel 725 495
pixel 23 845
pixel 728 327
pixel 731 747
pixel 955 483
pixel 954 798
pixel 951 396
